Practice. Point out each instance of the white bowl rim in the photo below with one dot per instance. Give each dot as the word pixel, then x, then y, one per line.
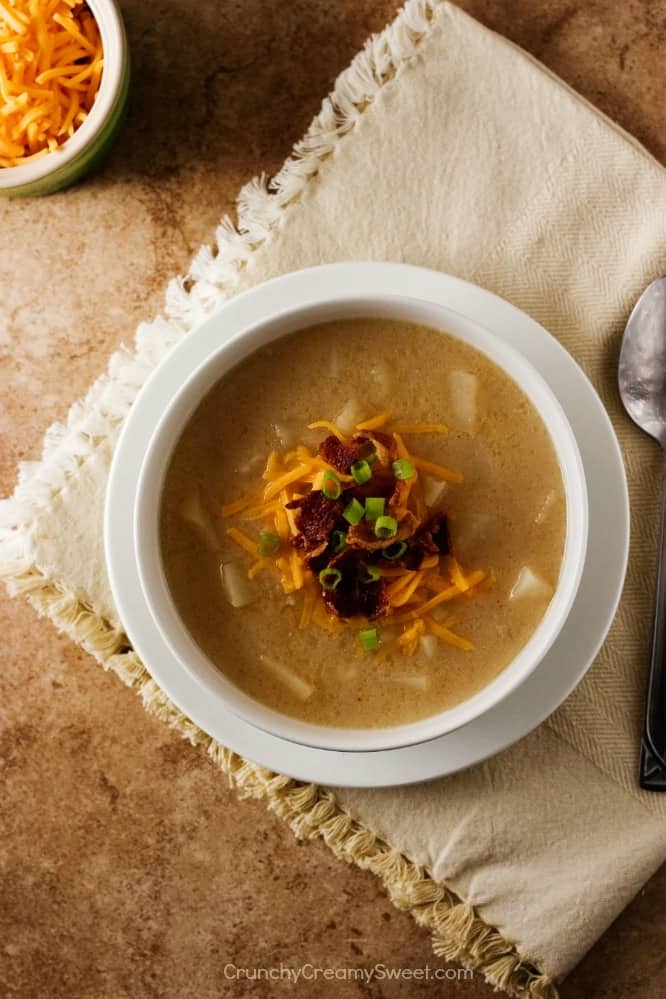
pixel 174 631
pixel 114 49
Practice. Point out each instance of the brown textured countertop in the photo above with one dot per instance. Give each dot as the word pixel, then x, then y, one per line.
pixel 128 869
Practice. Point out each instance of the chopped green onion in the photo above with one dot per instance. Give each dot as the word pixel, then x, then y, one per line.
pixel 374 507
pixel 331 485
pixel 338 542
pixel 368 573
pixel 268 544
pixel 403 468
pixel 369 640
pixel 330 578
pixel 361 471
pixel 394 551
pixel 353 512
pixel 386 527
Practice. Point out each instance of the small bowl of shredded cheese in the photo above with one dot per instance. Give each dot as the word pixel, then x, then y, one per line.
pixel 64 80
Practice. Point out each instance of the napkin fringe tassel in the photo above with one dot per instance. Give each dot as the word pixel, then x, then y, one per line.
pixel 459 934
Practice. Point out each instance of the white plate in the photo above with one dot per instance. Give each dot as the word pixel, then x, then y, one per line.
pixel 585 628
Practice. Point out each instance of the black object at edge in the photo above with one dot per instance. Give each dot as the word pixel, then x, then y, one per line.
pixel 652 771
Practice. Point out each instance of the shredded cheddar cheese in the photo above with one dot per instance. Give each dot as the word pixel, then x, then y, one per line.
pixel 242 539
pixel 281 523
pixel 331 427
pixel 448 636
pixel 259 512
pixel 394 589
pixel 439 471
pixel 261 563
pixel 457 575
pixel 293 475
pixel 229 509
pixel 297 571
pixel 448 594
pixel 416 494
pixel 51 65
pixel 375 422
pixel 272 467
pixel 309 598
pixel 409 639
pixel 285 499
pixel 406 593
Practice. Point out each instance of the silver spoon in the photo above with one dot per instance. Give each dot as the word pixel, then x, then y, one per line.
pixel 642 382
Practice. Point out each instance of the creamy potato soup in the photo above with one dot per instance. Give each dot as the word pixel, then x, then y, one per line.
pixel 363 523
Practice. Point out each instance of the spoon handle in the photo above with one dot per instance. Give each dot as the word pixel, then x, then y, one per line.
pixel 654 749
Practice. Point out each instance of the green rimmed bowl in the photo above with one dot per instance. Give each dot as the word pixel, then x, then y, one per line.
pixel 92 140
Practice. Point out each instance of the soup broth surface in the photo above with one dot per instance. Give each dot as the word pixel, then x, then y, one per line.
pixel 508 516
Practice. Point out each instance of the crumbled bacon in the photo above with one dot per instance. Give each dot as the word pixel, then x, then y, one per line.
pixel 383 445
pixel 373 600
pixel 410 559
pixel 351 597
pixel 434 536
pixel 338 455
pixel 316 518
pixel 400 495
pixel 382 483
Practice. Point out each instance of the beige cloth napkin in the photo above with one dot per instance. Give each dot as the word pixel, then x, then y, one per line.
pixel 446 146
